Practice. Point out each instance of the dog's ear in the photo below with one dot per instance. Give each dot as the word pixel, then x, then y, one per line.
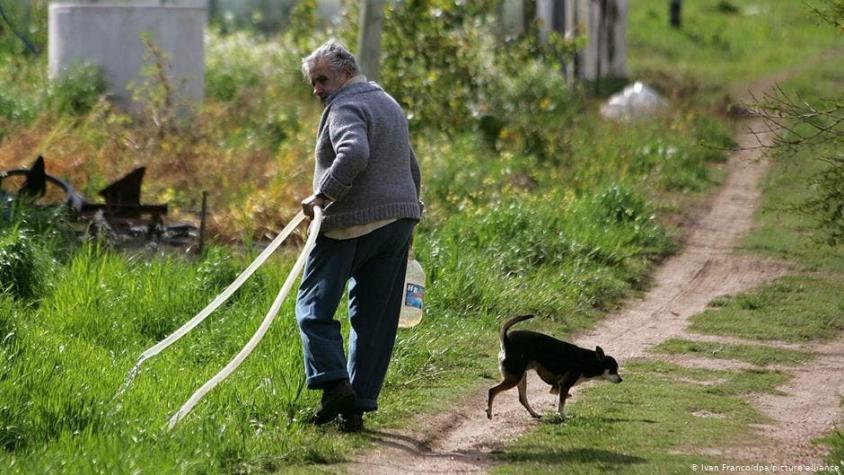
pixel 600 353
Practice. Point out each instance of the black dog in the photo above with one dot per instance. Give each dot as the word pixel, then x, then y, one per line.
pixel 560 364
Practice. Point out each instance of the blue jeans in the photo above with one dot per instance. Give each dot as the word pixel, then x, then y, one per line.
pixel 374 266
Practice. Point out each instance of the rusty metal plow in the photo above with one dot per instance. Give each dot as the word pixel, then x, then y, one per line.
pixel 122 208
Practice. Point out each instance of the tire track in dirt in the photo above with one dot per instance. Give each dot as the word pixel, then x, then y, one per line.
pixel 462 440
pixel 808 406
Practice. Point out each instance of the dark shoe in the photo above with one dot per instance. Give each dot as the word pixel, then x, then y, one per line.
pixel 351 422
pixel 337 397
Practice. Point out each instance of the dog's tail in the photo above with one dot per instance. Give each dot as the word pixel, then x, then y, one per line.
pixel 510 323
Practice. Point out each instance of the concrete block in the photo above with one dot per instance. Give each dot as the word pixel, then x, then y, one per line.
pixel 109 36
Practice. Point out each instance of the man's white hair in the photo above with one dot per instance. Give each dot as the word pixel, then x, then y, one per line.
pixel 338 58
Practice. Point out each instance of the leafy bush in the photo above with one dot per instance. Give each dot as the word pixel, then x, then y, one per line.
pixel 433 60
pixel 445 66
pixel 827 205
pixel 534 108
pixel 236 63
pixel 76 91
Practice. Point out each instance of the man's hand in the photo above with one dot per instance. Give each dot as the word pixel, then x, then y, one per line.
pixel 314 200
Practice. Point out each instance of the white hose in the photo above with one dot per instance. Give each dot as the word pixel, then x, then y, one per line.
pixel 262 330
pixel 219 300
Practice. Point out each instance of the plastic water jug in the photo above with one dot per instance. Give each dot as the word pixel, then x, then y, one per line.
pixel 414 293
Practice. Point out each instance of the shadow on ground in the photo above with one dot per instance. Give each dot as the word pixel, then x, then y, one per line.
pixel 541 455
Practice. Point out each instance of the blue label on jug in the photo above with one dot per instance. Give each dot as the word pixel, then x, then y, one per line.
pixel 413 295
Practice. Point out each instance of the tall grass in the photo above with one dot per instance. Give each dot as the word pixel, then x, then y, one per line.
pixel 67 356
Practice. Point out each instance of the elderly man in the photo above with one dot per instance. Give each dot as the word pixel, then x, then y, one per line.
pixel 367 180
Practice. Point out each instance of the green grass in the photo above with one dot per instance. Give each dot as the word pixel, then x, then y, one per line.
pixel 651 423
pixel 715 49
pixel 755 354
pixel 792 309
pixel 835 441
pixel 70 352
pixel 782 231
pixel 73 342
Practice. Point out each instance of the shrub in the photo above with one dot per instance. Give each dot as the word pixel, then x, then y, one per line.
pixel 534 107
pixel 235 63
pixel 433 60
pixel 15 109
pixel 21 91
pixel 76 91
pixel 826 206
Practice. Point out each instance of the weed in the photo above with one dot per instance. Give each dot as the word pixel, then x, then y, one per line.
pixel 18 276
pixel 792 309
pixel 76 90
pixel 31 238
pixel 756 354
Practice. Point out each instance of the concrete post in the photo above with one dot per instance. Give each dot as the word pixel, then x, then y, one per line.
pixel 570 28
pixel 510 18
pixel 369 38
pixel 674 13
pixel 618 54
pixel 606 45
pixel 109 36
pixel 545 16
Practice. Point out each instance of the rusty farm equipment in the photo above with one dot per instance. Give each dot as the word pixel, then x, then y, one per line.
pixel 122 216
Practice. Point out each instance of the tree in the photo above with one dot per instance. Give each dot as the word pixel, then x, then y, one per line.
pixel 798 124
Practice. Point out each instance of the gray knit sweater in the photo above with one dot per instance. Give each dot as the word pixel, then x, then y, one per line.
pixel 364 160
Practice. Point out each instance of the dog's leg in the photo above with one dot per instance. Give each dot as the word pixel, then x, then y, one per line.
pixel 523 396
pixel 508 383
pixel 565 386
pixel 561 402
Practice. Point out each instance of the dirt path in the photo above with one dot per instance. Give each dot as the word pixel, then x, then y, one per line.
pixel 461 440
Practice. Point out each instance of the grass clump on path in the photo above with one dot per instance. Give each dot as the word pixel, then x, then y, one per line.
pixel 755 354
pixel 792 309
